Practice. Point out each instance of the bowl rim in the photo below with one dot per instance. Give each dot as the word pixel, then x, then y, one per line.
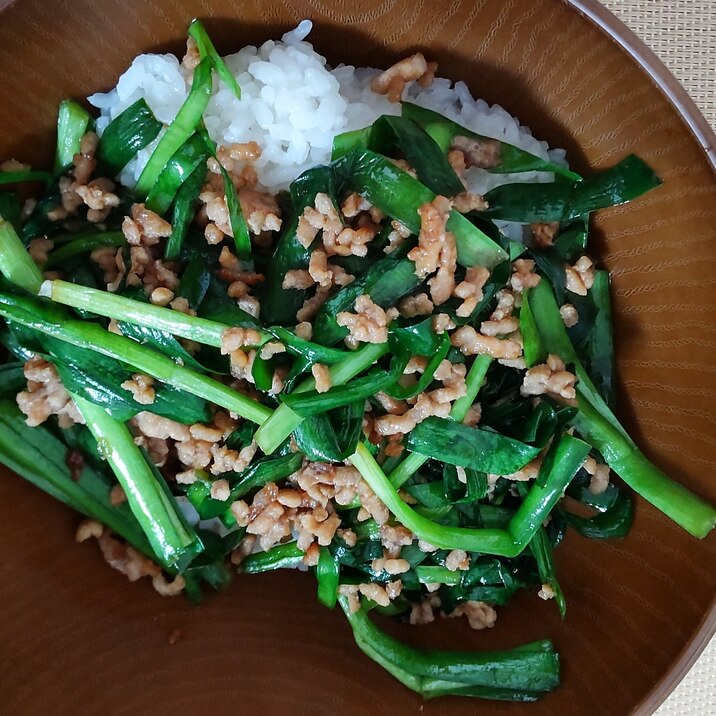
pixel 606 21
pixel 681 101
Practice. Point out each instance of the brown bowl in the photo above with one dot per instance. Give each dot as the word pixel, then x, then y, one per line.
pixel 77 638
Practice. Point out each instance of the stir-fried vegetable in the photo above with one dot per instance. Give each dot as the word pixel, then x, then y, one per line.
pixel 315 395
pixel 73 122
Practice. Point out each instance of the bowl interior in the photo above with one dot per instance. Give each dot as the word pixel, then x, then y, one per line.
pixel 76 637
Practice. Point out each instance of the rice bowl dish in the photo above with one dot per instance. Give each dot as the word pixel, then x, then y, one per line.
pixel 276 315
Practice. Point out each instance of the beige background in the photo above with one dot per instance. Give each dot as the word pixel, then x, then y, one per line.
pixel 683 34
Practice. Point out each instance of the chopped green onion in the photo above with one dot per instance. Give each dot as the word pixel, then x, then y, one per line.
pixel 184 211
pixel 84 245
pixel 15 262
pixel 438 575
pixel 183 126
pixel 111 305
pixel 284 421
pixel 191 155
pixel 206 48
pixel 72 124
pixel 532 668
pixel 512 159
pixel 39 456
pixel 473 382
pixel 695 515
pixel 36 315
pixel 488 541
pixel 283 556
pixel 239 227
pixel 151 503
pixel 400 196
pixel 328 574
pixel 126 135
pixel 25 175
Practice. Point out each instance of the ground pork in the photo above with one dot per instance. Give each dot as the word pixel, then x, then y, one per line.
pixel 233 339
pixel 442 322
pixel 127 560
pixel 39 248
pixel 275 513
pixel 470 290
pixel 523 275
pixel 526 473
pixel 505 305
pixel 473 415
pixel 570 316
pixel 418 305
pixel 76 190
pixel 338 239
pixel 350 592
pixel 549 378
pixel 456 560
pixel 369 323
pixel 599 474
pixel 457 161
pixel 237 159
pixel 13 165
pixel 299 279
pixel 349 241
pixel 391 565
pixel 320 272
pixel 323 482
pixel 311 305
pixel 433 217
pixel 161 296
pixel 392 81
pixel 354 204
pixel 260 209
pixel 144 270
pixel 436 402
pixel 245 548
pixel 145 227
pixel 394 537
pixel 319 217
pixel 192 58
pixel 217 212
pixel 468 201
pixel 111 262
pixel 304 330
pixel 376 593
pixel 322 377
pixel 423 612
pixel 391 405
pixel 480 615
pixel 477 152
pixel 543 234
pixel 399 232
pixel 46 396
pixel 470 343
pixel 98 195
pixel 240 291
pixel 500 328
pixel 220 490
pixel 234 342
pixel 155 426
pixel 270 349
pixel 580 277
pixel 141 387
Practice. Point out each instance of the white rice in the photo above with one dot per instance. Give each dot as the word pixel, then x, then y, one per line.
pixel 293 105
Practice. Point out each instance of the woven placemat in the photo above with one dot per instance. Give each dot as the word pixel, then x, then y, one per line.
pixel 683 34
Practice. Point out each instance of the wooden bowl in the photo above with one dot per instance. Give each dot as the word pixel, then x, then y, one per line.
pixel 77 638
